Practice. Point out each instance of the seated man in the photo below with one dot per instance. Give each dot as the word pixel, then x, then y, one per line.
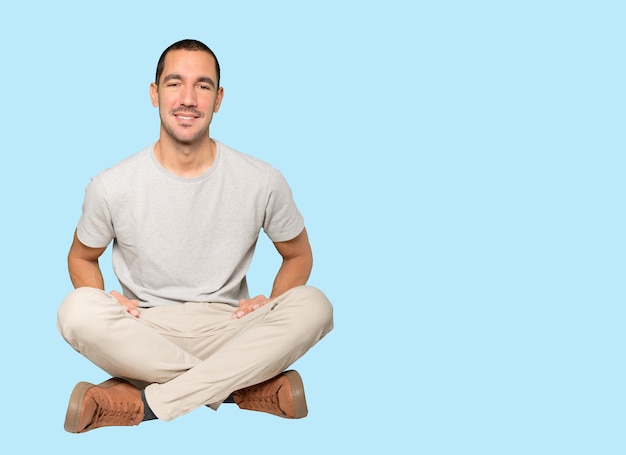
pixel 184 216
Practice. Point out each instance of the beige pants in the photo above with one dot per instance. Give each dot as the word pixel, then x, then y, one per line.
pixel 193 354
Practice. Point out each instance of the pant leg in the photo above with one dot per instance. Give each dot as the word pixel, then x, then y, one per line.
pixel 193 354
pixel 96 325
pixel 258 347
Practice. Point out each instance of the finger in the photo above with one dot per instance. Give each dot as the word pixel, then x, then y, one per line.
pixel 130 306
pixel 238 314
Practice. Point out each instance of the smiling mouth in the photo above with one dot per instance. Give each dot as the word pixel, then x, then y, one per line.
pixel 186 115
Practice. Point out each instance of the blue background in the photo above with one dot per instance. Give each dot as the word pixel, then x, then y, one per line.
pixel 460 166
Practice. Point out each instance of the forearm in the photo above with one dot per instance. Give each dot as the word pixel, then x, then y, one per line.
pixel 85 273
pixel 293 272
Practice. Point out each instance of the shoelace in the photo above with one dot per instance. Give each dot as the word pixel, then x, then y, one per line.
pixel 111 413
pixel 265 398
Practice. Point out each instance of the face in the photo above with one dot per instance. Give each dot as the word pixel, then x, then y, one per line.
pixel 187 96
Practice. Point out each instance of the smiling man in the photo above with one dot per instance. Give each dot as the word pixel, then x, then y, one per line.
pixel 184 216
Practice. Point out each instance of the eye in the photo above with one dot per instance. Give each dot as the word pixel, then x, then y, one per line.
pixel 204 87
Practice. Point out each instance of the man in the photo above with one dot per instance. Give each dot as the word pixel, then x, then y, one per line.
pixel 184 216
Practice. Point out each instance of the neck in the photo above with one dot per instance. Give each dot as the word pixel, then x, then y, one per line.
pixel 186 160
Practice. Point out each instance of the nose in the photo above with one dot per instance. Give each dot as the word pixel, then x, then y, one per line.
pixel 188 96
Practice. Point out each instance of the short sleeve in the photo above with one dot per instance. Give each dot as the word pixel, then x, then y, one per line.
pixel 283 221
pixel 95 228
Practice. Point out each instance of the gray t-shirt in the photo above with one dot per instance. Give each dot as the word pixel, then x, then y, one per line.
pixel 181 239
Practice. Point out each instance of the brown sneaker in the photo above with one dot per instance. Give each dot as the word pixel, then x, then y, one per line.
pixel 113 403
pixel 283 396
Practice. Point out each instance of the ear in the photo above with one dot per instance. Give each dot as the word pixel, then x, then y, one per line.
pixel 154 94
pixel 218 99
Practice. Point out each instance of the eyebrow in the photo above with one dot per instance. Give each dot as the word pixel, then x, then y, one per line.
pixel 206 79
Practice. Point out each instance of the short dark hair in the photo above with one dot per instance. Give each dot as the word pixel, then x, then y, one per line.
pixel 188 45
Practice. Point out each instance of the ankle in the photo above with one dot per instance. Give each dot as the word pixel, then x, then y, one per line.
pixel 147 411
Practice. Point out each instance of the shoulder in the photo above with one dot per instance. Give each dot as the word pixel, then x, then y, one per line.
pixel 233 157
pixel 128 167
pixel 122 179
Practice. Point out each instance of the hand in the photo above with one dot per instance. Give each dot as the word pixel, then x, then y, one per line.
pixel 129 305
pixel 248 306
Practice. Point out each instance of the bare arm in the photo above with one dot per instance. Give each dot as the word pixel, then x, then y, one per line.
pixel 82 262
pixel 296 266
pixel 294 271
